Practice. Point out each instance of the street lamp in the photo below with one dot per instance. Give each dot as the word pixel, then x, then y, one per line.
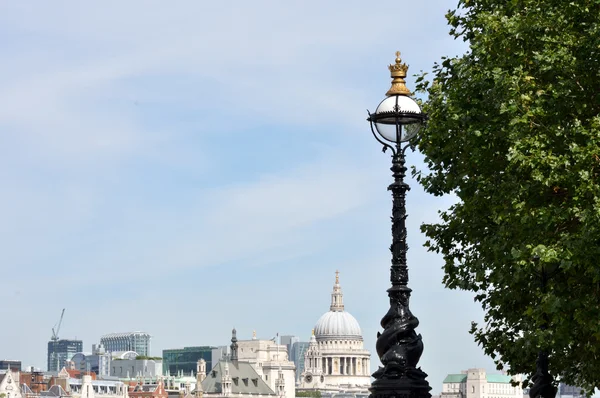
pixel 395 125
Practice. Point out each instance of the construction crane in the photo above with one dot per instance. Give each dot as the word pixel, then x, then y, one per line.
pixel 55 332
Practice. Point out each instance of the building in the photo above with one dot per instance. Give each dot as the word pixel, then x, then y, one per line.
pixel 61 351
pixel 132 341
pixel 476 383
pixel 98 361
pixel 88 388
pixel 296 350
pixel 270 361
pixel 9 384
pixel 186 359
pixel 297 355
pixel 155 390
pixel 34 380
pixel 133 366
pixel 336 360
pixel 288 341
pixel 13 365
pixel 565 390
pixel 234 377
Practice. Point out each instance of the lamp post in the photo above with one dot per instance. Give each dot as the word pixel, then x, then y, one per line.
pixel 543 382
pixel 395 125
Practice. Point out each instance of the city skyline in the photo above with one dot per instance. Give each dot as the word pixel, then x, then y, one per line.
pixel 186 170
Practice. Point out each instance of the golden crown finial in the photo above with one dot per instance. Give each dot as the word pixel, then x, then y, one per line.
pixel 313 332
pixel 337 277
pixel 398 72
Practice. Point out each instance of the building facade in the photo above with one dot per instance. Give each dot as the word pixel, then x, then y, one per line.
pixel 176 361
pixel 154 390
pixel 131 341
pixel 61 351
pixel 98 361
pixel 135 368
pixel 476 383
pixel 336 360
pixel 233 377
pixel 270 361
pixel 9 384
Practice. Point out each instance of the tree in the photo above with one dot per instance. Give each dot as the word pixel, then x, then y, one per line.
pixel 514 133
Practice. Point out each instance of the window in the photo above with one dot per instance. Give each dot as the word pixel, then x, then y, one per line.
pixel 473 388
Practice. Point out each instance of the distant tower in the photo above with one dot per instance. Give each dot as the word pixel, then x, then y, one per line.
pixel 313 361
pixel 226 381
pixel 280 383
pixel 200 376
pixel 234 347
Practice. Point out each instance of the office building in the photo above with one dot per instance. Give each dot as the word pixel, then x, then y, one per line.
pixel 186 359
pixel 98 361
pixel 297 356
pixel 60 351
pixel 288 341
pixel 132 341
pixel 130 368
pixel 14 366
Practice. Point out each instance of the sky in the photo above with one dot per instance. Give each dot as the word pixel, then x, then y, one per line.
pixel 188 168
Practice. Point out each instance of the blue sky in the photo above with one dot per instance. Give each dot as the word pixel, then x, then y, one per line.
pixel 188 168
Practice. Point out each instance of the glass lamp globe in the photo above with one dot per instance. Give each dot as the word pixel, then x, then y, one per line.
pixel 398 118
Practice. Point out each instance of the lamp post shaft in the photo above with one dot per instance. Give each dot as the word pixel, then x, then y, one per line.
pixel 399 247
pixel 399 347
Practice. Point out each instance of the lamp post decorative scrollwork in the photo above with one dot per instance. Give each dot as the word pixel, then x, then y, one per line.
pixel 395 125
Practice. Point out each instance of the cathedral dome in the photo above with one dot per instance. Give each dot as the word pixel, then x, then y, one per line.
pixel 337 323
pixel 334 324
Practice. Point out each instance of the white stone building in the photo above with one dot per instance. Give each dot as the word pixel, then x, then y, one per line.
pixel 271 362
pixel 234 377
pixel 9 384
pixel 336 360
pixel 476 383
pixel 88 388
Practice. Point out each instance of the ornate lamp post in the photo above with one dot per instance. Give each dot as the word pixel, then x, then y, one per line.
pixel 395 124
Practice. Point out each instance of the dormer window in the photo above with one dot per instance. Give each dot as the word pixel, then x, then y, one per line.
pixel 245 380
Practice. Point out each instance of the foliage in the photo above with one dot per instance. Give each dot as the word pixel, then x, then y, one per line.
pixel 312 394
pixel 514 133
pixel 149 358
